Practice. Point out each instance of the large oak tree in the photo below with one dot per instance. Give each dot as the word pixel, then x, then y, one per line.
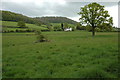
pixel 94 15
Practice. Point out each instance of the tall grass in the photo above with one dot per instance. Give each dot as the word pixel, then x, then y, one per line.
pixel 67 55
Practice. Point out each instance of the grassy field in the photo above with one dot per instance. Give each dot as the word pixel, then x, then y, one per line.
pixel 14 24
pixel 67 55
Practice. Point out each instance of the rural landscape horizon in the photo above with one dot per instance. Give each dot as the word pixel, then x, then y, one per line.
pixel 59 39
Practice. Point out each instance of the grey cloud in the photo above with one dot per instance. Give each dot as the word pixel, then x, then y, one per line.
pixel 70 9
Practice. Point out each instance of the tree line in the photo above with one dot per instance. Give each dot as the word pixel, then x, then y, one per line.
pixel 11 16
pixel 56 20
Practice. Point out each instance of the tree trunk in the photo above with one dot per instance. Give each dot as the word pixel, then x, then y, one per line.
pixel 93 31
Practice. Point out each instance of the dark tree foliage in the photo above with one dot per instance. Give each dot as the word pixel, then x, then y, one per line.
pixel 21 24
pixel 66 25
pixel 46 20
pixel 62 26
pixel 11 16
pixel 78 26
pixel 94 15
pixel 50 27
pixel 57 28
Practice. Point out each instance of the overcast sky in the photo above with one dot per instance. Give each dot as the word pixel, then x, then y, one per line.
pixel 39 8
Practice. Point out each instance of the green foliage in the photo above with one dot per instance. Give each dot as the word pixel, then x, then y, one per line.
pixel 66 25
pixel 21 24
pixel 56 20
pixel 94 15
pixel 106 27
pixel 62 26
pixel 88 28
pixel 78 26
pixel 40 37
pixel 38 32
pixel 73 28
pixel 50 27
pixel 57 28
pixel 97 29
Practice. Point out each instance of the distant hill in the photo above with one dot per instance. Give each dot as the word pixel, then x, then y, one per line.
pixel 11 16
pixel 56 20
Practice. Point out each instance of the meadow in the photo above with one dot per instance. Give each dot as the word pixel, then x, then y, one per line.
pixel 67 55
pixel 13 26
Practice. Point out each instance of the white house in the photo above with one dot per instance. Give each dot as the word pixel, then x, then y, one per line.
pixel 68 29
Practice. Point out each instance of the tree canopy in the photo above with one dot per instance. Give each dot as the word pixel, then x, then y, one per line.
pixel 21 24
pixel 94 15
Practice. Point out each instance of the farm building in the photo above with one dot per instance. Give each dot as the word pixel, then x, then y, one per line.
pixel 68 29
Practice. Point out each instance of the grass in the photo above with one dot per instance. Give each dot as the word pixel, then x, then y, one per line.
pixel 14 24
pixel 30 26
pixel 67 55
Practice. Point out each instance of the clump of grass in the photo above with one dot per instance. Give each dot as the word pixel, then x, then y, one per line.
pixel 13 44
pixel 51 47
pixel 78 46
pixel 37 51
pixel 40 57
pixel 53 53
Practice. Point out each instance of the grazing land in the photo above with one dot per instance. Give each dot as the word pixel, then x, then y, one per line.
pixel 9 25
pixel 67 55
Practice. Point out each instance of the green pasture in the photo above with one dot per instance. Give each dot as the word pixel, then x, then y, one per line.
pixel 67 55
pixel 14 24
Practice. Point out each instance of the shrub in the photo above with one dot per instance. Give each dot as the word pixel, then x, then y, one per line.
pixel 73 28
pixel 40 37
pixel 11 31
pixel 21 24
pixel 17 30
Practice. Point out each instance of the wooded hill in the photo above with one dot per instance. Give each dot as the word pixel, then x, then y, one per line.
pixel 11 16
pixel 56 20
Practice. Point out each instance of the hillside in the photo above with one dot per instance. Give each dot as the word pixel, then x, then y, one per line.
pixel 56 20
pixel 12 26
pixel 11 16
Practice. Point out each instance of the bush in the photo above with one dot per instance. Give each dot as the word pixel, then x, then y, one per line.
pixel 57 28
pixel 73 28
pixel 88 28
pixel 17 30
pixel 40 37
pixel 21 24
pixel 11 31
pixel 50 28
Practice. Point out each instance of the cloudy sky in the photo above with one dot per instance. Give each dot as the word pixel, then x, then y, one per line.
pixel 65 8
